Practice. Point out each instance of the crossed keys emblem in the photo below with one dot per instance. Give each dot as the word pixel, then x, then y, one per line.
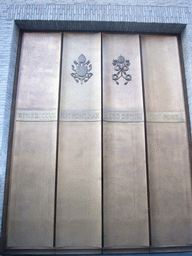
pixel 121 66
pixel 81 69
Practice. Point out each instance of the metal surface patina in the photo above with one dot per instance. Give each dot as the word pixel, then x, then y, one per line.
pixel 103 169
pixel 81 70
pixel 78 215
pixel 121 66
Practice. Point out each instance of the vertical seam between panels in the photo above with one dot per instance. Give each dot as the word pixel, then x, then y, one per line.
pixel 146 149
pixel 57 144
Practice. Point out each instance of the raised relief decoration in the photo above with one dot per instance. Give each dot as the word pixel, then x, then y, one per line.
pixel 165 117
pixel 81 69
pixel 80 115
pixel 121 66
pixel 123 116
pixel 36 115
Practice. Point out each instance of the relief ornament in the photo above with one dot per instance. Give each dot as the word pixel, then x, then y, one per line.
pixel 121 66
pixel 81 69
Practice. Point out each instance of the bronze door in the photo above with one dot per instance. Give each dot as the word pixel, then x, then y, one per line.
pixel 100 152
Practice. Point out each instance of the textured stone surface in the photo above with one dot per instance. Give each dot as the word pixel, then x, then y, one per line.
pixel 99 12
pixel 8 52
pixel 122 2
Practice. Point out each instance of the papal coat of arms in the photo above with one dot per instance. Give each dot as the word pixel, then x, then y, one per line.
pixel 81 69
pixel 121 66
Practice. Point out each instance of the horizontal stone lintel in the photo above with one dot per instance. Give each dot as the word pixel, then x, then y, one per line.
pixel 99 25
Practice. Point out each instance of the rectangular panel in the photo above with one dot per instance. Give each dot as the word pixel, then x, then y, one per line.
pixel 170 184
pixel 125 184
pixel 125 199
pixel 32 180
pixel 122 89
pixel 162 74
pixel 79 159
pixel 168 152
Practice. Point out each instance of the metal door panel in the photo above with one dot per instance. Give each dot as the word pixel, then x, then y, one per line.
pixel 79 185
pixel 79 159
pixel 32 183
pixel 31 199
pixel 170 184
pixel 125 199
pixel 124 166
pixel 168 150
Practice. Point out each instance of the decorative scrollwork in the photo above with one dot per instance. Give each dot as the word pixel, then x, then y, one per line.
pixel 81 69
pixel 121 66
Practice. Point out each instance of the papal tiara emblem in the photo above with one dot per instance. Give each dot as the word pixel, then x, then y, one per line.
pixel 81 69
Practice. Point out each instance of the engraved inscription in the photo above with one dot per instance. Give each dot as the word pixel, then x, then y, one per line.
pixel 165 117
pixel 121 66
pixel 80 115
pixel 123 116
pixel 81 69
pixel 36 115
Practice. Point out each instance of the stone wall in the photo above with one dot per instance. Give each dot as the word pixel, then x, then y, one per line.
pixel 177 3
